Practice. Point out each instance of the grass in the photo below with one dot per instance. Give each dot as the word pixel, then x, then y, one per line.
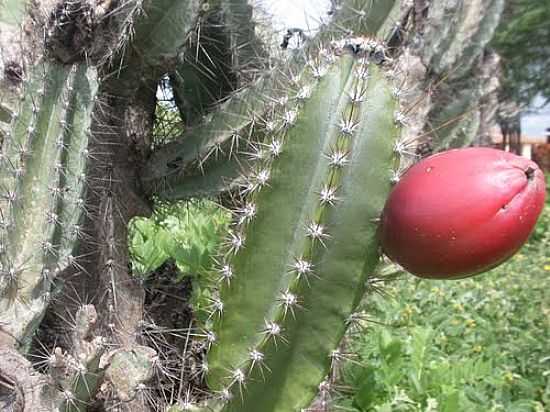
pixel 478 345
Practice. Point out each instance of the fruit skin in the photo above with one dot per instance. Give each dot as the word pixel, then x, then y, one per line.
pixel 461 212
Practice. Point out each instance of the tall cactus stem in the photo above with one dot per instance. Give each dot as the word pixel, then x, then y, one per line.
pixel 43 179
pixel 288 293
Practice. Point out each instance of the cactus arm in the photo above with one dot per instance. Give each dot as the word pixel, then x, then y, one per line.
pixel 249 299
pixel 162 29
pixel 231 125
pixel 264 270
pixel 457 34
pixel 221 176
pixel 224 53
pixel 43 149
pixel 74 161
pixel 351 254
pixel 31 149
pixel 39 217
pixel 35 141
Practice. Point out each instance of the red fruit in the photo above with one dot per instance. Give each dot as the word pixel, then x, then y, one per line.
pixel 462 212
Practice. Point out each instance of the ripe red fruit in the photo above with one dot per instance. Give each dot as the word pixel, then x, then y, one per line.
pixel 462 212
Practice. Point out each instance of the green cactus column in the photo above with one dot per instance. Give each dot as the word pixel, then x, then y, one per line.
pixel 304 241
pixel 452 60
pixel 42 183
pixel 223 54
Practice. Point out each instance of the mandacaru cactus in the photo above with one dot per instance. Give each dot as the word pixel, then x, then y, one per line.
pixel 288 292
pixel 303 145
pixel 455 58
pixel 43 167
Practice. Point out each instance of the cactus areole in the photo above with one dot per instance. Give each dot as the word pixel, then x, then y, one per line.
pixel 462 212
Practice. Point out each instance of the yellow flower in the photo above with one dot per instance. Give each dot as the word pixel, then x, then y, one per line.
pixel 477 349
pixel 408 311
pixel 459 307
pixel 509 377
pixel 547 267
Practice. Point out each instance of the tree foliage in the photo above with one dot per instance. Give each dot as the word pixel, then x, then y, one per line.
pixel 523 41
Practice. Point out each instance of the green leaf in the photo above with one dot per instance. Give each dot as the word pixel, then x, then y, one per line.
pixel 367 391
pixel 450 402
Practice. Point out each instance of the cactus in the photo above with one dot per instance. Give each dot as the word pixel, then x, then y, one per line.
pixel 223 54
pixel 451 57
pixel 177 170
pixel 11 19
pixel 43 165
pixel 299 285
pixel 303 145
pixel 452 49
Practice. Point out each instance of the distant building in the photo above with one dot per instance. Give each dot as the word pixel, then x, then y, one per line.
pixel 525 144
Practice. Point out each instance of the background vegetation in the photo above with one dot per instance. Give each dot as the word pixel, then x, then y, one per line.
pixel 522 43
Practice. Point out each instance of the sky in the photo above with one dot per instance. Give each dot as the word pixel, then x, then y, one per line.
pixel 307 14
pixel 302 14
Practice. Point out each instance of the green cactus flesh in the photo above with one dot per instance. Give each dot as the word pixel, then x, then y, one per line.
pixel 223 52
pixel 455 122
pixel 204 161
pixel 43 165
pixel 452 48
pixel 305 238
pixel 364 17
pixel 163 28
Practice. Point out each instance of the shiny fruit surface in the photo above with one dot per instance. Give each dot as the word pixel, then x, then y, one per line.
pixel 462 212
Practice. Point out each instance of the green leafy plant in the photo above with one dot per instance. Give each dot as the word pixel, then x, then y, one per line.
pixel 457 346
pixel 188 233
